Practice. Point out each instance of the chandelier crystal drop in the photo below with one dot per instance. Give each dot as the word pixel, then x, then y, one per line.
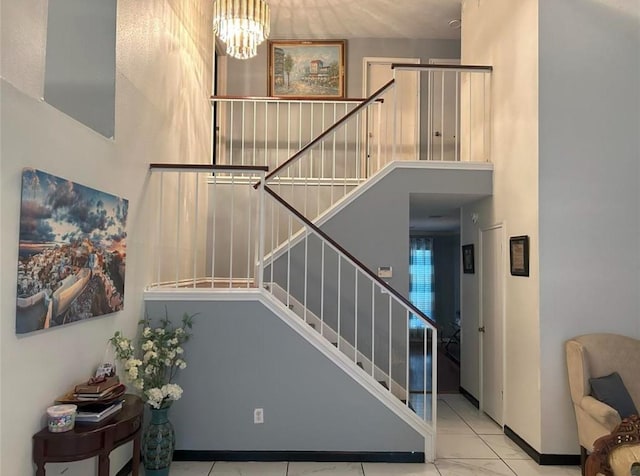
pixel 242 25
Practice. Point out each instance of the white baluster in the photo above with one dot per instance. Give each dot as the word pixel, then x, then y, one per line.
pixel 407 318
pixel 214 228
pixel 390 337
pixel 355 313
pixel 456 143
pixel 322 297
pixel 289 264
pixel 232 212
pixel 159 251
pixel 339 293
pixel 249 222
pixel 373 327
pixel 178 227
pixel 195 227
pixel 306 273
pixel 242 140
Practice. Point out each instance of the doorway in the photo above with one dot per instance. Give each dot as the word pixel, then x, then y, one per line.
pixel 434 288
pixel 492 335
pixel 380 129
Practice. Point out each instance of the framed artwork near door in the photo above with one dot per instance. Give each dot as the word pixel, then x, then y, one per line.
pixel 307 69
pixel 468 259
pixel 519 255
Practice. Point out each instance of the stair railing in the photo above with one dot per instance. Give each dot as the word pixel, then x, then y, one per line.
pixel 331 164
pixel 209 226
pixel 457 102
pixel 268 130
pixel 326 174
pixel 357 311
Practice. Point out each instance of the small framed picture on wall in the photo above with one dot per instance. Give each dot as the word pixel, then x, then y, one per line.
pixel 468 259
pixel 519 255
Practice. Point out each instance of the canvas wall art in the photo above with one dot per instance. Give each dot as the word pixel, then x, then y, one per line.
pixel 72 252
pixel 307 69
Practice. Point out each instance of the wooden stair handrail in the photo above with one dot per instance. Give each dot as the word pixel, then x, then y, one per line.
pixel 208 167
pixel 444 67
pixel 223 98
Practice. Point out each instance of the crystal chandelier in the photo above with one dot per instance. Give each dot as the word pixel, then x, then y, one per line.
pixel 242 25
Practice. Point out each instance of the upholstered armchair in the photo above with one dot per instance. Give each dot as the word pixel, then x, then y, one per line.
pixel 598 355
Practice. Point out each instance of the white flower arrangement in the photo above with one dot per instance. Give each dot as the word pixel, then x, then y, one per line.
pixel 152 369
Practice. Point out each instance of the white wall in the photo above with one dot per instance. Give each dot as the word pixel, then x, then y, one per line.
pixel 80 67
pixel 589 188
pixel 588 205
pixel 163 78
pixel 504 34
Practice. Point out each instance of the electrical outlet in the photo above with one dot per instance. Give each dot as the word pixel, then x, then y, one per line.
pixel 258 415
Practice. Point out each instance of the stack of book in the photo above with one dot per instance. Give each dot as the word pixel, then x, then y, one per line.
pixel 96 412
pixel 98 400
pixel 97 390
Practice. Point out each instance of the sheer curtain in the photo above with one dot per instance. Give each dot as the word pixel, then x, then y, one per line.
pixel 421 278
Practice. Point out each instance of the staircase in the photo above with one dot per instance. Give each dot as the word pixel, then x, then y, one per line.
pixel 258 223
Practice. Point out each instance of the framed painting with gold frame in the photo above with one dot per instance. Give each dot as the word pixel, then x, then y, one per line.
pixel 307 69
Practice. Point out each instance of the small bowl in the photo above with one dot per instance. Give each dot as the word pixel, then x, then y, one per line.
pixel 61 418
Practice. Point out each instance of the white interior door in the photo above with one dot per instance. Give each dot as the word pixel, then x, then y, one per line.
pixel 492 322
pixel 401 105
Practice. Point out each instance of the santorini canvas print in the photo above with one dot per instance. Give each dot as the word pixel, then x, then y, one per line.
pixel 72 252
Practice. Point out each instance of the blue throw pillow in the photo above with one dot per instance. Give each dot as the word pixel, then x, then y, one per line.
pixel 611 390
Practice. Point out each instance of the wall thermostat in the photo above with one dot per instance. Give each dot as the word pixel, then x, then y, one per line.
pixel 385 272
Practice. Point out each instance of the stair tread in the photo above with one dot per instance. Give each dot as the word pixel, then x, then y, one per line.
pixel 384 384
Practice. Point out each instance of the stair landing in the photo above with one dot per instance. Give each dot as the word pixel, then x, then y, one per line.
pixel 208 283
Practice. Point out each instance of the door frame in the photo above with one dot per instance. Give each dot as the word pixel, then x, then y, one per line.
pixel 366 61
pixel 502 227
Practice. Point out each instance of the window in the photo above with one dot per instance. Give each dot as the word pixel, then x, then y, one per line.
pixel 421 278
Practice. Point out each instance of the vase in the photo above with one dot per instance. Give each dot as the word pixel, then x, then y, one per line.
pixel 158 442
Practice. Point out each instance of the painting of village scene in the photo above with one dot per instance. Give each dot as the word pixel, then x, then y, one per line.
pixel 72 252
pixel 307 69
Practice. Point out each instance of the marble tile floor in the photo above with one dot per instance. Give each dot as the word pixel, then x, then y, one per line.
pixel 468 444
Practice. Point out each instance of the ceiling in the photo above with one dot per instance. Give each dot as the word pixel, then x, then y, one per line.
pixel 434 212
pixel 344 19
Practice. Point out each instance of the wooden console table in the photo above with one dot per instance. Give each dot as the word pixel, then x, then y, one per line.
pixel 94 439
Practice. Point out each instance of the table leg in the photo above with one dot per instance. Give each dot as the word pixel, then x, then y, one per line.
pixel 136 454
pixel 103 464
pixel 38 456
